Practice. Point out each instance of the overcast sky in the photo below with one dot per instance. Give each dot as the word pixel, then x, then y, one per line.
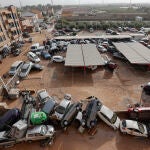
pixel 64 2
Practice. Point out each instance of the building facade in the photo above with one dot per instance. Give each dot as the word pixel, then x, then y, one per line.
pixel 33 18
pixel 4 39
pixel 10 21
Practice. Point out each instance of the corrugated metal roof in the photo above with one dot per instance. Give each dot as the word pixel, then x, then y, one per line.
pixel 27 14
pixel 83 55
pixel 74 56
pixel 135 52
pixel 91 55
pixel 93 37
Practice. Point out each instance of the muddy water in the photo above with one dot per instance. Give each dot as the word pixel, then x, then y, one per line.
pixel 104 139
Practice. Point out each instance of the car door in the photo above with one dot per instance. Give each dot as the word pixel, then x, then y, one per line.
pixel 104 118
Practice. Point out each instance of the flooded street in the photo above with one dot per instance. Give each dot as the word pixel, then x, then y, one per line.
pixel 116 90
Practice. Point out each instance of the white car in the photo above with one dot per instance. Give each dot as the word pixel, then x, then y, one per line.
pixel 109 117
pixel 58 59
pixel 133 128
pixel 101 48
pixel 62 107
pixel 33 57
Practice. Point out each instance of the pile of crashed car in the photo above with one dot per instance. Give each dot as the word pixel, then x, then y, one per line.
pixel 40 116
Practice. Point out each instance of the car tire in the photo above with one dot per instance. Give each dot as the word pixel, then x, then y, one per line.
pixel 65 123
pixel 92 123
pixel 125 133
pixel 77 108
pixel 98 103
pixel 30 141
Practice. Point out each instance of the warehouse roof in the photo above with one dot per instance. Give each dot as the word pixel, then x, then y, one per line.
pixel 135 52
pixel 83 55
pixel 94 37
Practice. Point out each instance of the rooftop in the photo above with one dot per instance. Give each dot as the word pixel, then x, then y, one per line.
pixel 135 52
pixel 83 55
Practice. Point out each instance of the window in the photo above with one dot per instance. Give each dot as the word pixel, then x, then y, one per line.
pixel 113 119
pixel 141 127
pixel 31 135
pixel 1 29
pixel 105 116
pixel 4 38
pixel 1 39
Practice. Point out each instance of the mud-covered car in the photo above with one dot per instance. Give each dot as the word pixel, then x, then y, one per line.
pixel 89 119
pixel 47 102
pixel 38 118
pixel 41 132
pixel 70 114
pixel 43 96
pixel 44 133
pixel 62 107
pixel 109 117
pixel 9 118
pixel 25 69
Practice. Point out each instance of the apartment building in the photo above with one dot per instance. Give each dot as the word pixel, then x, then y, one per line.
pixel 32 17
pixel 3 36
pixel 10 24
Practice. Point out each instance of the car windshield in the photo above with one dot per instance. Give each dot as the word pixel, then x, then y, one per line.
pixel 33 47
pixel 23 70
pixel 13 68
pixel 60 110
pixel 141 127
pixel 43 130
pixel 35 57
pixel 113 119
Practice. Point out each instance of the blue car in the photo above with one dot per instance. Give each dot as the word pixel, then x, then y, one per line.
pixel 45 55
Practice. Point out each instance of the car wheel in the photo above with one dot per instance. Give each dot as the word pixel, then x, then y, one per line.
pixel 92 123
pixel 65 122
pixel 83 123
pixel 124 133
pixel 43 144
pixel 98 103
pixel 29 141
pixel 78 108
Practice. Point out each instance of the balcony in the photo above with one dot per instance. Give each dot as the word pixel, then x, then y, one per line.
pixel 12 28
pixel 9 21
pixel 13 37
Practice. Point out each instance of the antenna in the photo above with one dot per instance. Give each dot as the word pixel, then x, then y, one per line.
pixel 130 4
pixel 20 4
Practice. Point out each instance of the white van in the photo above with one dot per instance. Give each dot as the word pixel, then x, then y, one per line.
pixel 33 57
pixel 34 47
pixel 15 67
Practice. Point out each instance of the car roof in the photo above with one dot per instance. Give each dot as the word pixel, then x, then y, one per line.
pixel 43 93
pixel 105 110
pixel 36 129
pixel 64 103
pixel 132 124
pixel 25 66
pixel 16 63
pixel 57 57
pixel 36 44
pixel 32 54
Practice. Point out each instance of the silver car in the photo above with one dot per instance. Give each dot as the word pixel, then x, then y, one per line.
pixel 25 69
pixel 41 132
pixel 15 67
